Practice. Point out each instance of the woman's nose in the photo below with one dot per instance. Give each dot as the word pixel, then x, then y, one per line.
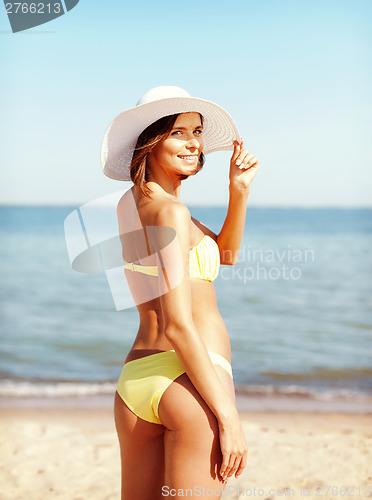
pixel 193 143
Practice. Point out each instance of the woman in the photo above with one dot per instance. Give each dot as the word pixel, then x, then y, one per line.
pixel 175 412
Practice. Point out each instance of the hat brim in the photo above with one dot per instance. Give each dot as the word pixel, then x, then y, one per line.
pixel 219 130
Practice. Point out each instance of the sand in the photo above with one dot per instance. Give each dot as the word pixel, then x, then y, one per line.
pixel 73 454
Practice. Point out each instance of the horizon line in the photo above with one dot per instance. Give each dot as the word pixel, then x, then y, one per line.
pixel 77 205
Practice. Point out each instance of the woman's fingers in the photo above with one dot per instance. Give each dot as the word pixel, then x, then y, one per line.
pixel 236 151
pixel 247 161
pixel 233 447
pixel 252 160
pixel 242 465
pixel 242 158
pixel 228 466
pixel 225 466
pixel 233 464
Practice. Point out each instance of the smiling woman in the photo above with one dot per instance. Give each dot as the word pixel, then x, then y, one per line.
pixel 175 410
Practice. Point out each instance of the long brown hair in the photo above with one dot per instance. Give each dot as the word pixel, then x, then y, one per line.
pixel 146 142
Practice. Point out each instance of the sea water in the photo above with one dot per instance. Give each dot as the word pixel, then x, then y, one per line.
pixel 297 306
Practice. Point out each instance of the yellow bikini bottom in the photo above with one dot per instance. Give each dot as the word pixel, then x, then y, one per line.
pixel 143 381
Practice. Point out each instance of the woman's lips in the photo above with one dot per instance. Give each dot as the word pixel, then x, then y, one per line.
pixel 189 158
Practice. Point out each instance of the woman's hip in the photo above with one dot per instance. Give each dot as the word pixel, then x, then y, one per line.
pixel 143 381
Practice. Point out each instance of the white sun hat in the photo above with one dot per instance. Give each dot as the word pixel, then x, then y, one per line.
pixel 119 141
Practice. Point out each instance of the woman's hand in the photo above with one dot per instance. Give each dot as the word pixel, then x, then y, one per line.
pixel 234 448
pixel 243 167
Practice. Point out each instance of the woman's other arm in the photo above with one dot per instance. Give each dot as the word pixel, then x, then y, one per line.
pixel 243 168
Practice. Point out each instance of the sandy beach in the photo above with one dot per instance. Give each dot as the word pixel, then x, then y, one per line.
pixel 73 454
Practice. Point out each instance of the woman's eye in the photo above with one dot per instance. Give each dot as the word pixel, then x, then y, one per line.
pixel 179 132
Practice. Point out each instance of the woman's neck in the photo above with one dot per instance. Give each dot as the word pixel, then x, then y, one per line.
pixel 162 183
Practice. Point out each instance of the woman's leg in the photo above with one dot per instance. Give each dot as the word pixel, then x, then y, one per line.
pixel 191 441
pixel 142 454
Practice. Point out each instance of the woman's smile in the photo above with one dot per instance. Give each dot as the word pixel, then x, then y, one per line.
pixel 189 158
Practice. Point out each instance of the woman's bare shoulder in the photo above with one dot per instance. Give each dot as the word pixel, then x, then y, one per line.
pixel 126 203
pixel 171 212
pixel 154 211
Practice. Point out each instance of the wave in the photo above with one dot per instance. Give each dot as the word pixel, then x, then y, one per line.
pixel 36 388
pixel 323 374
pixel 297 391
pixel 28 389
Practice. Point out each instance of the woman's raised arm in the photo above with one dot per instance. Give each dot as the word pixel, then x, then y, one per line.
pixel 243 168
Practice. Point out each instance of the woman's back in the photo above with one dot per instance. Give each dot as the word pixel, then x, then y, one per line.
pixel 138 219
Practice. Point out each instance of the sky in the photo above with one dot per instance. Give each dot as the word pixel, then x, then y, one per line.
pixel 295 76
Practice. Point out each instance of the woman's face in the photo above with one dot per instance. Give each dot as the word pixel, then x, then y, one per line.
pixel 179 152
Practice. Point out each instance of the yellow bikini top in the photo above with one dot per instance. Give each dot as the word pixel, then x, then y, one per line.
pixel 204 261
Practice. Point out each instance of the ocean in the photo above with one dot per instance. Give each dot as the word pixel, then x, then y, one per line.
pixel 297 305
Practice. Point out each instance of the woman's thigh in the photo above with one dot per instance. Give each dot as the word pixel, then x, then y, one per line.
pixel 191 441
pixel 142 454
